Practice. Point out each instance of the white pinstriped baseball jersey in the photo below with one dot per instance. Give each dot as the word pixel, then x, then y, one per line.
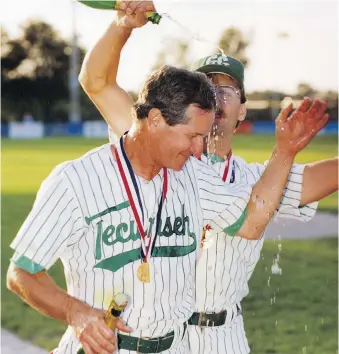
pixel 82 216
pixel 227 263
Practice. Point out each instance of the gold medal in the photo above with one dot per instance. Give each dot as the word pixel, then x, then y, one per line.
pixel 144 272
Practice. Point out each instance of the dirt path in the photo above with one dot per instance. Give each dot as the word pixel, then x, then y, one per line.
pixel 10 344
pixel 323 224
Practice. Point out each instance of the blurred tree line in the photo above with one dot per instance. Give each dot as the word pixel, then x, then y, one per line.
pixel 35 68
pixel 35 75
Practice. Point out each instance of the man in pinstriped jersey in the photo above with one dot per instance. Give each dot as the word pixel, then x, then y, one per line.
pixel 96 62
pixel 226 264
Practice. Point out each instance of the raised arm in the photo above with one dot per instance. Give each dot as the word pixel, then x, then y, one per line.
pixel 313 181
pixel 292 135
pixel 320 180
pixel 98 75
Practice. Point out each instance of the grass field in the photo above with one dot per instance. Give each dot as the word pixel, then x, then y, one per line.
pixel 296 312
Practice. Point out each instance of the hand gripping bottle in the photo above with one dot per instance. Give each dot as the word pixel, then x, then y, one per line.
pixel 153 17
pixel 113 313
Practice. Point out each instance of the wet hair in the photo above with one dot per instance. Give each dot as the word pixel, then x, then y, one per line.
pixel 172 90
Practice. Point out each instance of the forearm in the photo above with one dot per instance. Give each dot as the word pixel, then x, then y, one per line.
pixel 101 63
pixel 266 195
pixel 42 293
pixel 320 179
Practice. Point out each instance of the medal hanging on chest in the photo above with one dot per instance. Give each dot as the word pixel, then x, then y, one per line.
pixel 143 272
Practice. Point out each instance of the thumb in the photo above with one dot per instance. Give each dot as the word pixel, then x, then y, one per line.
pixel 121 326
pixel 282 117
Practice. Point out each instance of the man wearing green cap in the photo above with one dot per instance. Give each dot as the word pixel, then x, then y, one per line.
pixel 227 263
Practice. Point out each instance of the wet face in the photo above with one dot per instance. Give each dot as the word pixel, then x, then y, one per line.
pixel 173 145
pixel 229 111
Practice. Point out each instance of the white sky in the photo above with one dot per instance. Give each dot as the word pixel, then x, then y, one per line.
pixel 309 54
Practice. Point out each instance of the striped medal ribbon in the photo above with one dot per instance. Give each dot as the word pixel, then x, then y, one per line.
pixel 143 272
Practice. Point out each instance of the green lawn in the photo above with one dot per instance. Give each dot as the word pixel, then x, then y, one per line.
pixel 19 157
pixel 306 292
pixel 296 312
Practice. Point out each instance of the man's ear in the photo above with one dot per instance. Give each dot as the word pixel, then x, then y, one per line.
pixel 242 112
pixel 154 117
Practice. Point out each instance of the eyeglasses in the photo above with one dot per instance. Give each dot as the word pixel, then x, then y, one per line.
pixel 226 93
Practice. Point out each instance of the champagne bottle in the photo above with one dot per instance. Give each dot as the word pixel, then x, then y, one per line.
pixel 113 313
pixel 153 17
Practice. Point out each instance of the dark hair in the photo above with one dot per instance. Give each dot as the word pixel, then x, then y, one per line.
pixel 172 90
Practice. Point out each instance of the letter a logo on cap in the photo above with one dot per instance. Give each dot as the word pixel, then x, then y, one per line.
pixel 217 59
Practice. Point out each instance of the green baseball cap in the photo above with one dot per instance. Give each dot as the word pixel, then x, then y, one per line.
pixel 222 64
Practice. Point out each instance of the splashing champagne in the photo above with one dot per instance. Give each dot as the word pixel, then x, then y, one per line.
pixel 113 313
pixel 164 8
pixel 153 17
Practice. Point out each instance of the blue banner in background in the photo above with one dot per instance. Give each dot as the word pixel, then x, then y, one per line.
pixel 98 129
pixel 75 129
pixel 269 128
pixel 4 130
pixel 63 129
pixel 56 129
pixel 331 128
pixel 263 128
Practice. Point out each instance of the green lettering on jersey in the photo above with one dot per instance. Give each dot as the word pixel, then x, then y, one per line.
pixel 118 207
pixel 125 233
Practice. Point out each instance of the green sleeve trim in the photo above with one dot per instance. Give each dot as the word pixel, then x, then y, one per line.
pixel 233 229
pixel 28 265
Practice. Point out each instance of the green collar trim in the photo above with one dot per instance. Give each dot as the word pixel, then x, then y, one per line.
pixel 213 158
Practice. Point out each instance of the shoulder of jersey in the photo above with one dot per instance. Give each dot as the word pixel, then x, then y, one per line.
pixel 100 149
pixel 66 165
pixel 240 161
pixel 198 163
